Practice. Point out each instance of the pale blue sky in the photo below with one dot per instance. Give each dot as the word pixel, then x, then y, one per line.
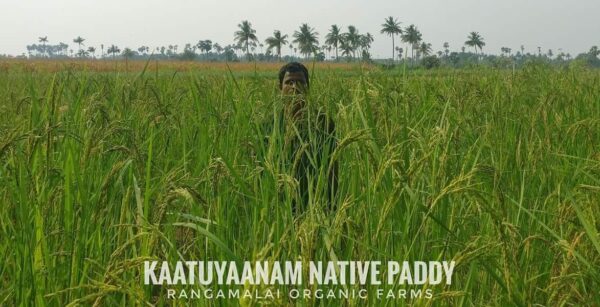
pixel 573 26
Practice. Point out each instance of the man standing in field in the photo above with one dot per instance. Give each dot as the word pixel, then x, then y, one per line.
pixel 308 140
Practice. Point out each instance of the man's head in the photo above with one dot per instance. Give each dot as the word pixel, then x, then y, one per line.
pixel 293 79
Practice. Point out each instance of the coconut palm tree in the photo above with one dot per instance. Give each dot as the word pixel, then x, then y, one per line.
pixel 366 40
pixel 142 50
pixel 446 48
pixel 391 27
pixel 334 38
pixel 412 36
pixel 218 48
pixel 79 41
pixel 306 39
pixel 399 50
pixel 43 40
pixel 114 50
pixel 346 48
pixel 205 46
pixel 475 40
pixel 127 53
pixel 276 41
pixel 245 34
pixel 92 50
pixel 352 37
pixel 82 53
pixel 594 51
pixel 425 49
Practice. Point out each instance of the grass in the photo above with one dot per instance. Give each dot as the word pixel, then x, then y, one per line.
pixel 110 66
pixel 102 170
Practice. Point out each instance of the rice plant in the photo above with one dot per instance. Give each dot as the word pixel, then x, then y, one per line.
pixel 101 170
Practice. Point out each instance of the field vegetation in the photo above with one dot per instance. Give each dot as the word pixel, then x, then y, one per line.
pixel 103 168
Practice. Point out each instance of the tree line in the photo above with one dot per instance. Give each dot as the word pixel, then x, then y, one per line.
pixel 339 45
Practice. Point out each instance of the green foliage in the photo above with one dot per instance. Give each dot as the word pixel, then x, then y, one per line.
pixel 493 169
pixel 245 35
pixel 306 39
pixel 205 45
pixel 475 40
pixel 188 55
pixel 128 53
pixel 589 59
pixel 430 62
pixel 276 41
pixel 334 38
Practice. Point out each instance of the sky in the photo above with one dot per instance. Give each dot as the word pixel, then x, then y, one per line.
pixel 570 26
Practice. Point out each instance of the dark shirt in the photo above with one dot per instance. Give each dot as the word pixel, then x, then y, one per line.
pixel 308 144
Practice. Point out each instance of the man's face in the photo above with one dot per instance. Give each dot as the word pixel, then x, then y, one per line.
pixel 294 83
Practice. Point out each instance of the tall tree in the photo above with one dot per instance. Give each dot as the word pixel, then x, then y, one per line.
pixel 276 41
pixel 352 37
pixel 79 41
pixel 63 48
pixel 205 46
pixel 365 44
pixel 412 36
pixel 594 51
pixel 475 40
pixel 92 51
pixel 245 35
pixel 127 53
pixel 114 50
pixel 82 53
pixel 43 40
pixel 366 40
pixel 334 38
pixel 446 48
pixel 425 49
pixel 218 48
pixel 399 50
pixel 391 27
pixel 306 39
pixel 346 49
